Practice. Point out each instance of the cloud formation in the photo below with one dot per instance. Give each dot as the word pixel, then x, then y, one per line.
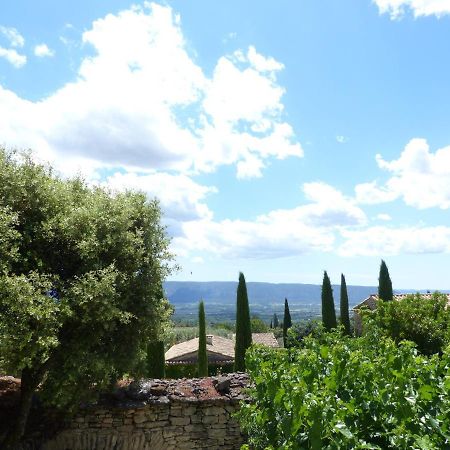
pixel 15 40
pixel 279 233
pixel 42 51
pixel 382 240
pixel 419 177
pixel 420 8
pixel 143 103
pixel 13 36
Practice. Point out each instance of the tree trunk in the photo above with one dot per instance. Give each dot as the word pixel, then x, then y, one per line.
pixel 29 383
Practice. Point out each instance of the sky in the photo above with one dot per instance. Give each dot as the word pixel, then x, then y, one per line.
pixel 282 138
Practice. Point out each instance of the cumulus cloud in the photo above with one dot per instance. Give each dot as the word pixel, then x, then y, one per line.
pixel 181 198
pixel 142 102
pixel 42 51
pixel 13 57
pixel 280 233
pixel 381 240
pixel 398 8
pixel 14 38
pixel 421 178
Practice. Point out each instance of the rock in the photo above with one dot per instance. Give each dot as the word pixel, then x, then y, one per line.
pixel 223 385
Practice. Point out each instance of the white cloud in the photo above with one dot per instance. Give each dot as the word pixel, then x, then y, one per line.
pixel 142 102
pixel 42 50
pixel 383 241
pixel 279 233
pixel 341 139
pixel 398 8
pixel 181 198
pixel 14 37
pixel 421 178
pixel 11 55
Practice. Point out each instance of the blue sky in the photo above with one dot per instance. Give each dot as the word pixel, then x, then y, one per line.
pixel 282 138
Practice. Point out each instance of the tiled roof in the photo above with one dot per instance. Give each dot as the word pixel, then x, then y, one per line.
pixel 265 339
pixel 219 345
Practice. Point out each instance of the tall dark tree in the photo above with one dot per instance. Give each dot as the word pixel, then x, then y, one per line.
pixel 202 355
pixel 287 322
pixel 385 284
pixel 155 360
pixel 276 322
pixel 328 311
pixel 243 327
pixel 345 318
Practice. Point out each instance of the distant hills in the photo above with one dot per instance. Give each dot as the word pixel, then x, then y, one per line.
pixel 182 292
pixel 265 299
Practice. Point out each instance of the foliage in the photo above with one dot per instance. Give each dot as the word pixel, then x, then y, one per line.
pixel 328 311
pixel 82 271
pixel 202 355
pixel 287 322
pixel 385 284
pixel 300 330
pixel 345 318
pixel 425 321
pixel 341 392
pixel 243 326
pixel 155 360
pixel 275 322
pixel 258 325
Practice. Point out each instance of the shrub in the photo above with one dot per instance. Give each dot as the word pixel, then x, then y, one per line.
pixel 341 392
pixel 425 321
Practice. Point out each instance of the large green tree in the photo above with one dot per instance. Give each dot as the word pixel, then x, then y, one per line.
pixel 385 284
pixel 345 318
pixel 328 311
pixel 243 327
pixel 81 271
pixel 202 354
pixel 287 322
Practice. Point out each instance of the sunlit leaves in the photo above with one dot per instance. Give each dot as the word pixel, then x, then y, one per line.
pixel 340 392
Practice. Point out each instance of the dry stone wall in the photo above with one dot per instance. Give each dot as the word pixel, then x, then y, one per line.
pixel 159 415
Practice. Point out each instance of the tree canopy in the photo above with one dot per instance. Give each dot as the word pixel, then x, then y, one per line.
pixel 385 284
pixel 202 353
pixel 243 326
pixel 345 318
pixel 81 272
pixel 328 311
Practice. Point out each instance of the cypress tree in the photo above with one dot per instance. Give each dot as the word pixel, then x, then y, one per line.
pixel 345 319
pixel 156 363
pixel 385 284
pixel 271 324
pixel 328 311
pixel 243 327
pixel 276 323
pixel 202 355
pixel 287 322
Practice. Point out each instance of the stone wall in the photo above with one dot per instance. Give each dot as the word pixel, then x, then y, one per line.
pixel 157 415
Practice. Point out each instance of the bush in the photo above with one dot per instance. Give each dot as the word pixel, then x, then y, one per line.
pixel 425 321
pixel 339 392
